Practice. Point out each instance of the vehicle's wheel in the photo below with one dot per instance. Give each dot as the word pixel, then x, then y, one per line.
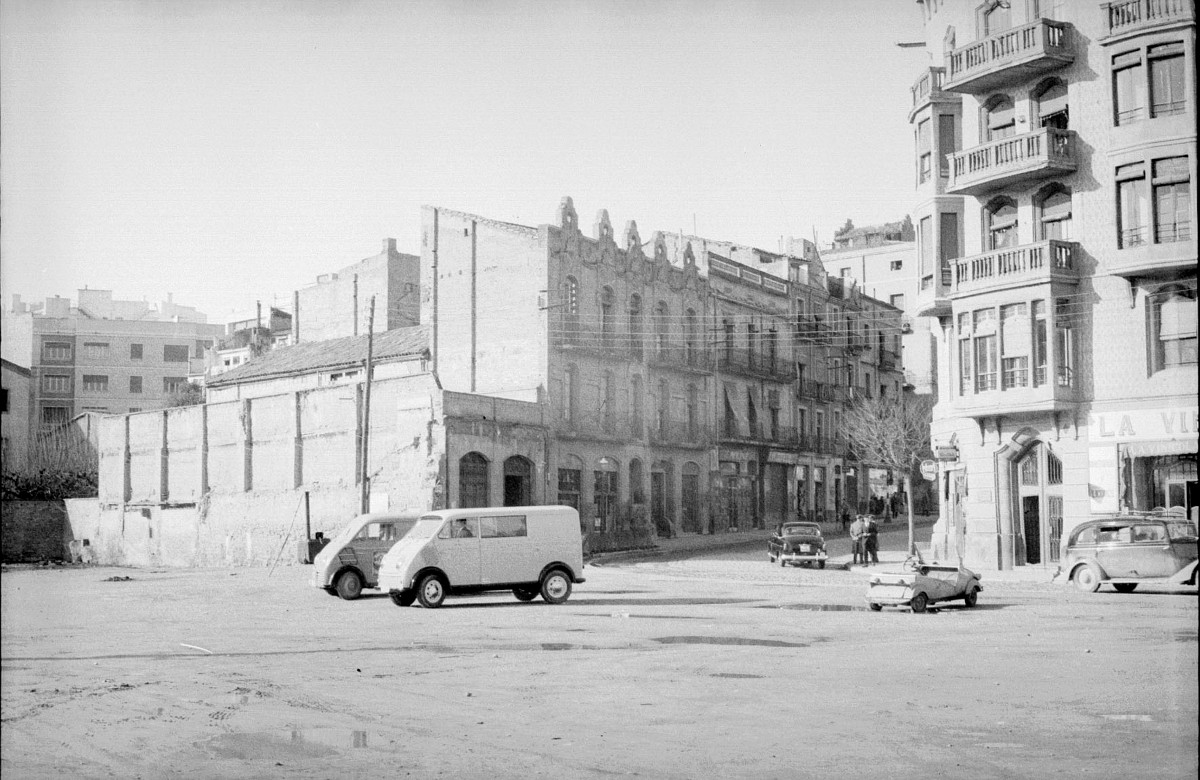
pixel 770 558
pixel 349 585
pixel 525 594
pixel 330 591
pixel 431 592
pixel 1087 578
pixel 556 587
pixel 1125 587
pixel 919 603
pixel 782 562
pixel 820 564
pixel 971 598
pixel 403 598
pixel 875 607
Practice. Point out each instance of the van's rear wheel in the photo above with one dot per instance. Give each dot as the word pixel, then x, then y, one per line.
pixel 403 598
pixel 349 585
pixel 431 592
pixel 524 594
pixel 556 587
pixel 919 603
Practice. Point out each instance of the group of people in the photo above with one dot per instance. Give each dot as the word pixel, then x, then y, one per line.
pixel 864 536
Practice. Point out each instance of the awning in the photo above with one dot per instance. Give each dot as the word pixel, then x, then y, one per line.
pixel 1149 449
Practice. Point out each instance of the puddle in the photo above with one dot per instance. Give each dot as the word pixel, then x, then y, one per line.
pixel 724 640
pixel 1142 718
pixel 118 579
pixel 672 617
pixel 736 676
pixel 1185 636
pixel 557 646
pixel 817 607
pixel 286 745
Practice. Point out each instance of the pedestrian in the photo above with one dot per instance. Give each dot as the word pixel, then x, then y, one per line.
pixel 870 540
pixel 856 540
pixel 845 516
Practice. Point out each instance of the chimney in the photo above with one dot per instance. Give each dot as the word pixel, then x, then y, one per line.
pixel 389 246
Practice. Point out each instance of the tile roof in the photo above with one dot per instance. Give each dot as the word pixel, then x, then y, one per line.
pixel 309 356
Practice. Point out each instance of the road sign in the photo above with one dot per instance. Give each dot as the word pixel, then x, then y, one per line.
pixel 946 453
pixel 929 470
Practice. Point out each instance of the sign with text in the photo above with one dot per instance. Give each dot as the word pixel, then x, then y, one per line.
pixel 929 470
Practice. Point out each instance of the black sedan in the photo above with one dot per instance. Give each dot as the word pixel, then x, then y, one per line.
pixel 798 543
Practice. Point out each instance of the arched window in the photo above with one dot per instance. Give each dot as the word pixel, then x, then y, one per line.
pixel 693 413
pixel 692 346
pixel 999 118
pixel 727 344
pixel 1000 218
pixel 1053 208
pixel 472 480
pixel 1050 98
pixel 604 493
pixel 662 329
pixel 635 326
pixel 570 482
pixel 637 489
pixel 570 399
pixel 637 390
pixel 608 330
pixel 518 481
pixel 663 413
pixel 608 400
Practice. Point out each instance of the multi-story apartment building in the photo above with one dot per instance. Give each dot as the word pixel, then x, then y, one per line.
pixel 104 355
pixel 671 367
pixel 338 304
pixel 882 262
pixel 1055 151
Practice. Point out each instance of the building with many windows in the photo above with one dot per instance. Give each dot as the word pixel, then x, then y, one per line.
pixel 104 355
pixel 1055 150
pixel 696 383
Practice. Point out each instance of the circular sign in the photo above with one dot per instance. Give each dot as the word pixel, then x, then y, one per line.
pixel 929 470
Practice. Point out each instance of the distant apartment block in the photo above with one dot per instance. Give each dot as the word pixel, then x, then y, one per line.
pixel 103 355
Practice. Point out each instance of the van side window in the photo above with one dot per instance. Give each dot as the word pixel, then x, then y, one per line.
pixel 462 528
pixel 1149 533
pixel 503 526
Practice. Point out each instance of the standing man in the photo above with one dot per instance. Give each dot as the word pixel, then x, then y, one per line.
pixel 870 540
pixel 856 540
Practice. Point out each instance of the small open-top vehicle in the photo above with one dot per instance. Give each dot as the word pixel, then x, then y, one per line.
pixel 797 543
pixel 920 584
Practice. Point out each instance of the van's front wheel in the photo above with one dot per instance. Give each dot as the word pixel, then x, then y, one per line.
pixel 349 585
pixel 556 587
pixel 403 598
pixel 431 592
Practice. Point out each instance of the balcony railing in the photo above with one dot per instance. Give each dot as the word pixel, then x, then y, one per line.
pixel 1042 153
pixel 695 358
pixel 928 86
pixel 745 361
pixel 1008 57
pixel 1045 261
pixel 1135 15
pixel 809 388
pixel 597 428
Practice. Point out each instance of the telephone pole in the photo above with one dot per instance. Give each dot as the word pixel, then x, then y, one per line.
pixel 364 480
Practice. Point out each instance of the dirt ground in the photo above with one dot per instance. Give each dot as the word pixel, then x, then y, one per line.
pixel 716 666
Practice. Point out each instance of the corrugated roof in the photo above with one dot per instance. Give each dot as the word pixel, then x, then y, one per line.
pixel 310 356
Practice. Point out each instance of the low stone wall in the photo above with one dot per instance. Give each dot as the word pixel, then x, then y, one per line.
pixel 34 531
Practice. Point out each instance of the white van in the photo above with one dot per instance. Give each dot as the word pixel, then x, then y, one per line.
pixel 350 562
pixel 525 549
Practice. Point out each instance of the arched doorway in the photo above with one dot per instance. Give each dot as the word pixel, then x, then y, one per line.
pixel 1039 503
pixel 662 499
pixel 690 503
pixel 472 480
pixel 518 481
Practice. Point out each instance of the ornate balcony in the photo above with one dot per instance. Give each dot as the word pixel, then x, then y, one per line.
pixel 1041 154
pixel 1131 17
pixel 693 359
pixel 1019 266
pixel 1009 57
pixel 752 363
pixel 928 89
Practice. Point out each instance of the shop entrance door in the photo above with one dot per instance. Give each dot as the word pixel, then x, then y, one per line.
pixel 1033 529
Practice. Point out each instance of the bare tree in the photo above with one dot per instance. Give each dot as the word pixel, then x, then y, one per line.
pixel 892 431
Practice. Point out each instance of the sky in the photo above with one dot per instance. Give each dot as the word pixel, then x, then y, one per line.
pixel 230 151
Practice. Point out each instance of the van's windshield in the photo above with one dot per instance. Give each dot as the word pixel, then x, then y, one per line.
pixel 426 528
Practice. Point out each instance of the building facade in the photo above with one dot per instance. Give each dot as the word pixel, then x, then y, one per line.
pixel 103 355
pixel 339 303
pixel 1055 151
pixel 687 385
pixel 16 400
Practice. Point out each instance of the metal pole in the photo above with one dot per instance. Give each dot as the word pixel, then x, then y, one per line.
pixel 366 421
pixel 307 518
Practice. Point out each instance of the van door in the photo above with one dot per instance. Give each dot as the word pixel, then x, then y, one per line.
pixel 457 547
pixel 507 553
pixel 370 545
